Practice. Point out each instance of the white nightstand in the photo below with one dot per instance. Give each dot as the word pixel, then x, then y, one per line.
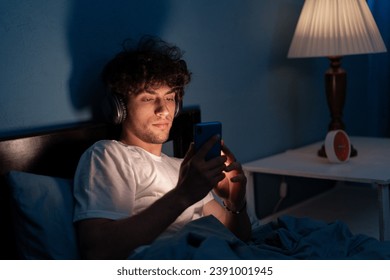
pixel 372 165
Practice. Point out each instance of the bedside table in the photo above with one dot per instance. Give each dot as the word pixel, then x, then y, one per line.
pixel 371 165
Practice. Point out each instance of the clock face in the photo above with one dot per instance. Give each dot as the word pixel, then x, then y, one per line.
pixel 337 146
pixel 341 146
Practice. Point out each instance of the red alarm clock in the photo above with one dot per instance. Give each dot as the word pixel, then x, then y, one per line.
pixel 337 146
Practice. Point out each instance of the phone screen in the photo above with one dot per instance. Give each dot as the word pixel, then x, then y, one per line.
pixel 203 132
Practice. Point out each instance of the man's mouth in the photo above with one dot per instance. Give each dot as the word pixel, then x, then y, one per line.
pixel 161 126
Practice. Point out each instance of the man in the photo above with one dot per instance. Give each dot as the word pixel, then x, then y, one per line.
pixel 128 193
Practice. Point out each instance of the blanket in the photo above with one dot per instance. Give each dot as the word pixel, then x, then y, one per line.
pixel 285 239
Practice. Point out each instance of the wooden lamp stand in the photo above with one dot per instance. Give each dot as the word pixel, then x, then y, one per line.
pixel 335 89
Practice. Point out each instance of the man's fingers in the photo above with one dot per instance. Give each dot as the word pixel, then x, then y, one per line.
pixel 234 166
pixel 228 153
pixel 239 178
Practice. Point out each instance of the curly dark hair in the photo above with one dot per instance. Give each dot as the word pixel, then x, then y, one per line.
pixel 150 64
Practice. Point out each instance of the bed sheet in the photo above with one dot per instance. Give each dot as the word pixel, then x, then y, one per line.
pixel 287 238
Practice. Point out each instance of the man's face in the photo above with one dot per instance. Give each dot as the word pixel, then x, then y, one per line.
pixel 150 115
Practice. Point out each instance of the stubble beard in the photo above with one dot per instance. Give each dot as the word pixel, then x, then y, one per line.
pixel 150 136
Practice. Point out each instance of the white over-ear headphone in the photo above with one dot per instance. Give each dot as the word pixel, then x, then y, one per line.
pixel 114 108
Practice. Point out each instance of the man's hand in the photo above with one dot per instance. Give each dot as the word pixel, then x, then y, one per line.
pixel 197 176
pixel 232 188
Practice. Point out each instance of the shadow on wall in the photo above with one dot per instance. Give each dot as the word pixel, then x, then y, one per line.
pixel 95 32
pixel 305 112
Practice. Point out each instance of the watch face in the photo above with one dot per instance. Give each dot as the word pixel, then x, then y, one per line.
pixel 341 146
pixel 337 146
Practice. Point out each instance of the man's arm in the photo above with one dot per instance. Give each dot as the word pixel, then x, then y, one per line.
pixel 116 239
pixel 237 223
pixel 231 189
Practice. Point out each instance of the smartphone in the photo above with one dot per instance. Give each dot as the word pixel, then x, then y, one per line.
pixel 203 132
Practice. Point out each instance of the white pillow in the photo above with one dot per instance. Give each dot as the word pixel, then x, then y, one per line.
pixel 43 213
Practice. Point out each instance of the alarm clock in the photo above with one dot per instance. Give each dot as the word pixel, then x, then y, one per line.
pixel 337 146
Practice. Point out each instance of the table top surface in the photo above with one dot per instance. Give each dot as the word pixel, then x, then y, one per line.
pixel 371 165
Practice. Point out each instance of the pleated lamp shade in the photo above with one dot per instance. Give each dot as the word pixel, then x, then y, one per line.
pixel 335 28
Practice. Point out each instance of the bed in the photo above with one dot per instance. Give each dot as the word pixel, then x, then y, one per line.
pixel 36 201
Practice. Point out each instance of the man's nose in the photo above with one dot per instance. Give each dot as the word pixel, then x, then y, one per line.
pixel 162 108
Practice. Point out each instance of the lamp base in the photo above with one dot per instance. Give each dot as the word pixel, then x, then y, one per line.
pixel 321 152
pixel 335 89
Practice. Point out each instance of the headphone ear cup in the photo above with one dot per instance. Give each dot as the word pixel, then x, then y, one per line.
pixel 179 105
pixel 114 108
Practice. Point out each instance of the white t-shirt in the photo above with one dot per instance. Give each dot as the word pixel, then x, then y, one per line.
pixel 115 181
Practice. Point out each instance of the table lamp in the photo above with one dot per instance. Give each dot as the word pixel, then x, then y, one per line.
pixel 334 28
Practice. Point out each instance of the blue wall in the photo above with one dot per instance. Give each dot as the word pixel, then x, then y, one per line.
pixel 52 52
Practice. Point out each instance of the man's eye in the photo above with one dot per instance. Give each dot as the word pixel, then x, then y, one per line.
pixel 170 98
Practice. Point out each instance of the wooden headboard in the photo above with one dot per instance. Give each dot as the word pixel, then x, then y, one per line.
pixel 56 152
